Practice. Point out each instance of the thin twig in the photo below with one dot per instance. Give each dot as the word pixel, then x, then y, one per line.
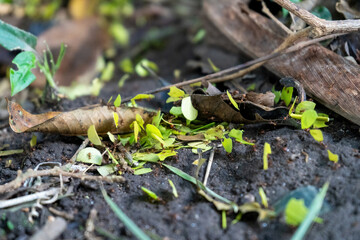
pixel 21 177
pixel 82 146
pixel 266 10
pixel 228 74
pixel 208 167
pixel 320 27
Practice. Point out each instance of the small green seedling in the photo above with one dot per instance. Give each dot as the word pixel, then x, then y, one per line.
pixel 13 38
pixel 151 194
pixel 267 151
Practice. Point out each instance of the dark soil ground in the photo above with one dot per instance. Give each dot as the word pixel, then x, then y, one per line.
pixel 236 176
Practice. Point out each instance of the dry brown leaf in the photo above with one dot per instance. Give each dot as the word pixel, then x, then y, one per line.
pixel 76 122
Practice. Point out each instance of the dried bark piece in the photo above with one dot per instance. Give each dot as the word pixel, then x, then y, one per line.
pixel 329 78
pixel 76 122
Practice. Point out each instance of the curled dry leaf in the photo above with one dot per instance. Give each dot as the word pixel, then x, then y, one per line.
pixel 76 122
pixel 249 112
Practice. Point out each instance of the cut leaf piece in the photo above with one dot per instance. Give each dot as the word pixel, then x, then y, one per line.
pixel 286 95
pixel 227 144
pixel 142 171
pixel 232 100
pixel 174 191
pixel 317 135
pixel 117 101
pixel 150 193
pixel 308 118
pixel 89 155
pixel 267 151
pixel 141 96
pixel 189 112
pixel 237 134
pixel 333 157
pixel 93 136
pixel 303 106
pixel 23 77
pixel 296 211
pixel 107 169
pixel 175 94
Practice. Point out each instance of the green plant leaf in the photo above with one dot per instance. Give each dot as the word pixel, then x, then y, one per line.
pixel 174 191
pixel 93 136
pixel 175 94
pixel 129 224
pixel 117 101
pixel 33 141
pixel 189 112
pixel 295 212
pixel 116 119
pixel 215 133
pixel 23 77
pixel 165 154
pixel 227 144
pixel 308 118
pixel 232 100
pixel 150 193
pixel 333 157
pixel 151 129
pixel 142 171
pixel 13 38
pixel 89 155
pixel 108 72
pixel 277 95
pixel 303 106
pixel 317 135
pixel 199 36
pixel 140 121
pixel 322 12
pixel 126 66
pixel 141 96
pixel 267 151
pixel 176 111
pixel 111 137
pixel 286 95
pixel 107 169
pixel 314 210
pixel 238 135
pixel 120 33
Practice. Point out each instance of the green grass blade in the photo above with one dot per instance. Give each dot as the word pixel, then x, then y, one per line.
pixel 129 224
pixel 313 212
pixel 193 180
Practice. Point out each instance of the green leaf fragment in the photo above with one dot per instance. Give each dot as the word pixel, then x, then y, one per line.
pixel 308 118
pixel 175 94
pixel 93 136
pixel 176 111
pixel 23 77
pixel 333 157
pixel 108 72
pixel 303 106
pixel 89 155
pixel 174 191
pixel 317 135
pixel 199 36
pixel 120 33
pixel 189 112
pixel 107 169
pixel 263 197
pixel 296 211
pixel 13 38
pixel 238 135
pixel 215 133
pixel 286 95
pixel 214 68
pixel 142 171
pixel 143 72
pixel 33 141
pixel 227 144
pixel 141 96
pixel 126 66
pixel 150 193
pixel 117 101
pixel 267 151
pixel 232 100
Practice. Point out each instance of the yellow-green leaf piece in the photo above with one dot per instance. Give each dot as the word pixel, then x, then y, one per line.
pixel 116 119
pixel 93 136
pixel 263 197
pixel 286 95
pixel 189 112
pixel 214 68
pixel 33 141
pixel 215 133
pixel 232 100
pixel 308 118
pixel 140 121
pixel 267 151
pixel 333 157
pixel 296 211
pixel 227 144
pixel 174 191
pixel 175 94
pixel 117 101
pixel 151 194
pixel 317 135
pixel 136 128
pixel 141 96
pixel 238 135
pixel 142 171
pixel 165 154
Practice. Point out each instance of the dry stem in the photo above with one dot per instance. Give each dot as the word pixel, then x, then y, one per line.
pixel 56 171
